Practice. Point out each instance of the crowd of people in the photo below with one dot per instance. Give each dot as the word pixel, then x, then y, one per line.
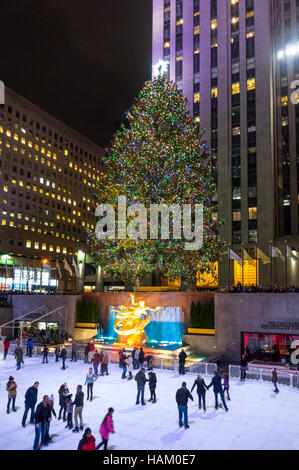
pixel 71 410
pixel 253 289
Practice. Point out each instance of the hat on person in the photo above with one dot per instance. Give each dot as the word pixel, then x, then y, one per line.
pixel 110 410
pixel 87 431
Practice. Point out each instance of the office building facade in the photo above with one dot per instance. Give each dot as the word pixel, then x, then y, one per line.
pixel 48 173
pixel 235 61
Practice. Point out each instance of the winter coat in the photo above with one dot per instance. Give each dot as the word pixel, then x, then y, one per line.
pixel 106 427
pixel 97 359
pixel 11 388
pixel 274 376
pixel 91 347
pixel 141 379
pixel 244 362
pixel 62 397
pixel 226 382
pixel 30 343
pixel 130 364
pixel 69 408
pixel 42 413
pixel 63 353
pixel 90 378
pixel 201 386
pixel 182 357
pixel 136 355
pixel 45 351
pixel 122 361
pixel 31 396
pixel 141 357
pixel 182 396
pixel 51 405
pixel 87 443
pixel 6 344
pixel 216 382
pixel 19 354
pixel 57 351
pixel 74 347
pixel 105 358
pixel 152 381
pixel 86 350
pixel 79 398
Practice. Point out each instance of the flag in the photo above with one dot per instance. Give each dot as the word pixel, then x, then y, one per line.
pixel 58 269
pixel 75 266
pixel 235 257
pixel 263 257
pixel 291 254
pixel 46 266
pixel 246 256
pixel 276 253
pixel 67 266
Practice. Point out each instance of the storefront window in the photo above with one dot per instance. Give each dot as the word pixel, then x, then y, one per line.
pixel 268 347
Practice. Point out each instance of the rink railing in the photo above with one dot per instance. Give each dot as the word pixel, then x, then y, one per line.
pixel 290 378
pixel 203 368
pixel 284 377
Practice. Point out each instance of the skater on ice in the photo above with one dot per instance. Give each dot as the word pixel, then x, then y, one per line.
pixel 106 428
pixel 79 404
pixel 217 387
pixel 30 402
pixel 182 397
pixel 274 380
pixel 88 441
pixel 152 378
pixel 201 391
pixel 11 388
pixel 91 377
pixel 42 417
pixel 182 360
pixel 141 381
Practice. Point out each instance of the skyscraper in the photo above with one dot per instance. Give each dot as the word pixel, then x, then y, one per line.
pixel 48 173
pixel 236 61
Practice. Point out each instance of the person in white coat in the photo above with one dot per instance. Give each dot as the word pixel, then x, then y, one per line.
pixel 130 367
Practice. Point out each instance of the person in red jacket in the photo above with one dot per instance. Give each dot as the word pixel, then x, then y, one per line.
pixel 6 345
pixel 87 442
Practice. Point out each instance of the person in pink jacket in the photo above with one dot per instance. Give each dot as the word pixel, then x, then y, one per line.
pixel 106 428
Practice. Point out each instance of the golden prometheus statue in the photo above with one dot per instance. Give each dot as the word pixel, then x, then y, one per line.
pixel 131 321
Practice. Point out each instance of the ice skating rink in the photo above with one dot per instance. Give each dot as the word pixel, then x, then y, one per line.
pixel 257 418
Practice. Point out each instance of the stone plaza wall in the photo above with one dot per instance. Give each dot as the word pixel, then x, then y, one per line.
pixel 152 299
pixel 252 313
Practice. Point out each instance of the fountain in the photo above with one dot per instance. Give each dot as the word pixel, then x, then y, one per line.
pixel 137 324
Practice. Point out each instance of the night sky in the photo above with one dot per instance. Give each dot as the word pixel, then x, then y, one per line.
pixel 82 61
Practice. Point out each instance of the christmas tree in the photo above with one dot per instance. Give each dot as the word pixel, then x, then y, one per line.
pixel 159 157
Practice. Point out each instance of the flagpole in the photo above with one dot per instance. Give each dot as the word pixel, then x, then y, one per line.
pixel 256 265
pixel 242 257
pixel 271 258
pixel 286 264
pixel 5 272
pixel 229 273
